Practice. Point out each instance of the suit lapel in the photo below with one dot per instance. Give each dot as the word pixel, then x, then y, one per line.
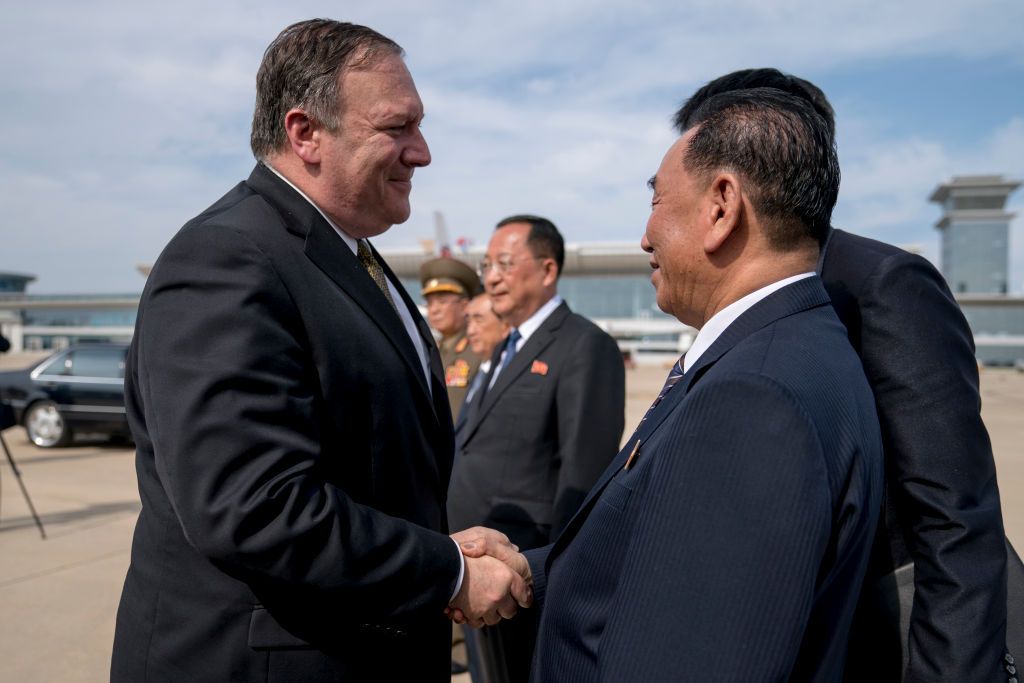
pixel 439 390
pixel 523 359
pixel 336 260
pixel 332 256
pixel 472 400
pixel 643 431
pixel 794 298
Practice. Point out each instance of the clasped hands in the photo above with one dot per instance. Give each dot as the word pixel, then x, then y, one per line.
pixel 497 579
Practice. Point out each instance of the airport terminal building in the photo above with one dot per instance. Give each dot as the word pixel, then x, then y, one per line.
pixel 34 322
pixel 610 284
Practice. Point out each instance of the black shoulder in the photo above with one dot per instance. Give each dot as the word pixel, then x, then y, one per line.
pixel 850 259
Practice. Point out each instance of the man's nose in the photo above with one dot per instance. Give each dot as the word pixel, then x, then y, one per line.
pixel 417 153
pixel 491 277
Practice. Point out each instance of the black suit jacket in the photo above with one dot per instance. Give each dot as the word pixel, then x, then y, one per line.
pixel 734 547
pixel 532 445
pixel 942 505
pixel 291 461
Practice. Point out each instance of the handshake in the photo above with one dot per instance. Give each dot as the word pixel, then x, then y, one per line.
pixel 497 579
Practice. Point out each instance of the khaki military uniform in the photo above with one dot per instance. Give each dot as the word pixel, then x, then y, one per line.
pixel 460 366
pixel 446 274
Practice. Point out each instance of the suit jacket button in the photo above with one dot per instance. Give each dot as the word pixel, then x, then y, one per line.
pixel 1009 658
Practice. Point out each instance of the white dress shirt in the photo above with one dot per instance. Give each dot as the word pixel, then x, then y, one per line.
pixel 718 323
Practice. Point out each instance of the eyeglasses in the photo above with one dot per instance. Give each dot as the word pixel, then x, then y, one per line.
pixel 503 265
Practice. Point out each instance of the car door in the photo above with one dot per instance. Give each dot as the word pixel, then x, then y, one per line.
pixel 88 384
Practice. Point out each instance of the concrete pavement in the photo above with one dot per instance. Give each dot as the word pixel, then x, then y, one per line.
pixel 58 597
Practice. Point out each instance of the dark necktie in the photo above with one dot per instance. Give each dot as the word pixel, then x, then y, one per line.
pixel 375 271
pixel 510 349
pixel 674 375
pixel 473 398
pixel 474 386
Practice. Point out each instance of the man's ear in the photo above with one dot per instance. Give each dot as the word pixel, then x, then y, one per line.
pixel 550 271
pixel 725 207
pixel 303 135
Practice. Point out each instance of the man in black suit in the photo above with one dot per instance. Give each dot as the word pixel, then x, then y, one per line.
pixel 942 508
pixel 293 432
pixel 549 415
pixel 729 538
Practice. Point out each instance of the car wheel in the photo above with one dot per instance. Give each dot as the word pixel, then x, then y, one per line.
pixel 45 425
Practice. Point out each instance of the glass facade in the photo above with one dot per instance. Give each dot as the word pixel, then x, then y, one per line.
pixel 37 322
pixel 998 330
pixel 80 317
pixel 625 296
pixel 990 319
pixel 13 284
pixel 999 355
pixel 974 257
pixel 605 296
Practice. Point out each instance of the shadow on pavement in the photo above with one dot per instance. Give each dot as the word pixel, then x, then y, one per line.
pixel 67 516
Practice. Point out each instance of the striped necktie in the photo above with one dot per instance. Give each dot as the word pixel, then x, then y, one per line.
pixel 674 375
pixel 374 269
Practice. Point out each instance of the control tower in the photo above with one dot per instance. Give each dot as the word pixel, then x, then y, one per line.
pixel 975 229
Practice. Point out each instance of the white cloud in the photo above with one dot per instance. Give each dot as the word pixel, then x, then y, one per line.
pixel 886 184
pixel 123 119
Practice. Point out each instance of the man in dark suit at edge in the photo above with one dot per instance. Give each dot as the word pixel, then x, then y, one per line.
pixel 547 418
pixel 294 436
pixel 942 506
pixel 729 538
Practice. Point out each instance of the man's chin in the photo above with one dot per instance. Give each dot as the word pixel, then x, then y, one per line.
pixel 498 309
pixel 398 210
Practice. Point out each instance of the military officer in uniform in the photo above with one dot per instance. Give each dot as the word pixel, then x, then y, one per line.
pixel 448 285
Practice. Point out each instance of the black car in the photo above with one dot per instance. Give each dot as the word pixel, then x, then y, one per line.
pixel 78 389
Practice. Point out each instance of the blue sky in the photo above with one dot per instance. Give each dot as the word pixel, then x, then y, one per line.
pixel 123 120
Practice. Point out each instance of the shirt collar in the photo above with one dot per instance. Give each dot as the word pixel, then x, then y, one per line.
pixel 346 238
pixel 718 323
pixel 533 323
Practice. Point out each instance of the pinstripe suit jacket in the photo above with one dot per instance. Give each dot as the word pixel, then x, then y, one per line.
pixel 734 547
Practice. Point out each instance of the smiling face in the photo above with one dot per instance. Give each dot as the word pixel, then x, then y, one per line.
pixel 518 282
pixel 674 236
pixel 366 166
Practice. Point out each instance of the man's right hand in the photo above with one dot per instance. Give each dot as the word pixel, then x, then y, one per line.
pixel 491 591
pixel 479 541
pixel 497 579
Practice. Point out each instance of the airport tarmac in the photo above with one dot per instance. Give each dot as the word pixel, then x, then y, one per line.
pixel 58 596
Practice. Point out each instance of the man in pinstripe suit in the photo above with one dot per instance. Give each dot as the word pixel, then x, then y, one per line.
pixel 728 539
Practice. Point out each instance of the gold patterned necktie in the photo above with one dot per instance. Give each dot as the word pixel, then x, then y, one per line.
pixel 375 271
